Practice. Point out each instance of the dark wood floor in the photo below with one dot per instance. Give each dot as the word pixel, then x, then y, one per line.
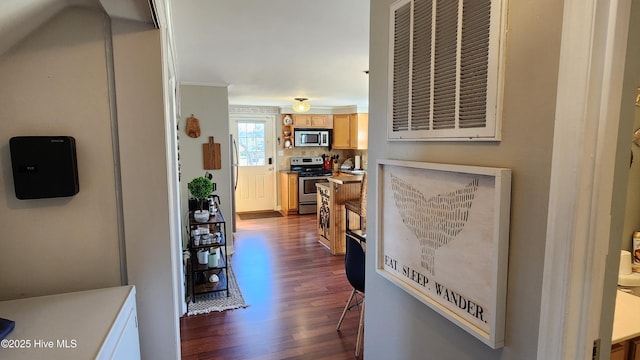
pixel 295 291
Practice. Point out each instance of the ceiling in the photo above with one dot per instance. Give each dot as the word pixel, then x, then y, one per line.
pixel 266 52
pixel 269 52
pixel 18 18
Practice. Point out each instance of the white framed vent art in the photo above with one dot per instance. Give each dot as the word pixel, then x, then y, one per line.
pixel 443 237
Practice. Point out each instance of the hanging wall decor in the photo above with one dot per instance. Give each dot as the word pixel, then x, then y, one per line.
pixel 193 127
pixel 211 155
pixel 443 234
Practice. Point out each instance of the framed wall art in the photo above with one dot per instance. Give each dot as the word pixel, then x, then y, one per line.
pixel 443 237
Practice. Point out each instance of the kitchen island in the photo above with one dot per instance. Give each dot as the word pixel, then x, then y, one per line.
pixel 331 212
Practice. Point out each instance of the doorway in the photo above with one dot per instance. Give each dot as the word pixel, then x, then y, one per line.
pixel 254 161
pixel 589 176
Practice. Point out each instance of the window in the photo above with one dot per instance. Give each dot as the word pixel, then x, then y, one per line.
pixel 251 143
pixel 445 69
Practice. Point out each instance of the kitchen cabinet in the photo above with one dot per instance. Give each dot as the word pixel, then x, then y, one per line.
pixel 626 350
pixel 625 337
pixel 313 121
pixel 91 324
pixel 289 192
pixel 330 218
pixel 351 131
pixel 634 349
pixel 619 351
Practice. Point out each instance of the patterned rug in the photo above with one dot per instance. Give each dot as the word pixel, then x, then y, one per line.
pixel 219 301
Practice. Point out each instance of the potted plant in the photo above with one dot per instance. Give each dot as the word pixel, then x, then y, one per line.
pixel 200 188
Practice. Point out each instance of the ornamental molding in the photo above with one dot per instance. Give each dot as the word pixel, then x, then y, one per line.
pixel 254 110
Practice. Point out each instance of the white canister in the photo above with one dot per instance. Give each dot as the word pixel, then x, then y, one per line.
pixel 625 263
pixel 357 166
pixel 203 257
pixel 214 258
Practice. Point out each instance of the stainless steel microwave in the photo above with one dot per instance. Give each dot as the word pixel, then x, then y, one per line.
pixel 311 137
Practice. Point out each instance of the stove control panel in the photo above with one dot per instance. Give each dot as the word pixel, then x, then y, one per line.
pixel 304 161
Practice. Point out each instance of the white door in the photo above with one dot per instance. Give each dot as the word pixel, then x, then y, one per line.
pixel 255 161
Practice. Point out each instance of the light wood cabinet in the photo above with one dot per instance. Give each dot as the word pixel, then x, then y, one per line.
pixel 341 129
pixel 351 131
pixel 330 217
pixel 619 351
pixel 626 350
pixel 313 121
pixel 289 193
pixel 634 349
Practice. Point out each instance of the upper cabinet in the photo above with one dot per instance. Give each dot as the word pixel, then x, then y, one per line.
pixel 351 131
pixel 313 121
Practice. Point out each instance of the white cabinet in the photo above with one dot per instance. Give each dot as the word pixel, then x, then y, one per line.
pixel 93 324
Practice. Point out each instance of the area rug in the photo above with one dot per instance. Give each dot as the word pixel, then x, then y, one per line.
pixel 219 301
pixel 259 215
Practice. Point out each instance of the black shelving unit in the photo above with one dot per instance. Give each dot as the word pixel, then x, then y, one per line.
pixel 198 277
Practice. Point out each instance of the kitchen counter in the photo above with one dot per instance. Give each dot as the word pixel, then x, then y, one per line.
pixel 626 319
pixel 345 179
pixel 353 172
pixel 288 172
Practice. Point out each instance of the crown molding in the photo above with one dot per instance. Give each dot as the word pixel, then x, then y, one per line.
pixel 328 110
pixel 254 110
pixel 195 83
pixel 345 109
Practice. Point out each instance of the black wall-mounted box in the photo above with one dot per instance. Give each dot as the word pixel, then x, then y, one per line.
pixel 44 166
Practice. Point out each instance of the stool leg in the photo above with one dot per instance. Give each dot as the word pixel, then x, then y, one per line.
pixel 346 307
pixel 359 342
pixel 346 220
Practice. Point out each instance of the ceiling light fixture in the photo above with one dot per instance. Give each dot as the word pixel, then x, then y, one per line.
pixel 301 105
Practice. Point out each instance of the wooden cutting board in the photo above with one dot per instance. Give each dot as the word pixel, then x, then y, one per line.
pixel 211 155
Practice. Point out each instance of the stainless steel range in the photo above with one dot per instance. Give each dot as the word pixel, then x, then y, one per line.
pixel 310 172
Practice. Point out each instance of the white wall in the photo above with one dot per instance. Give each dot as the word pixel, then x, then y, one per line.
pixel 210 105
pixel 138 68
pixel 57 82
pixel 54 83
pixel 399 327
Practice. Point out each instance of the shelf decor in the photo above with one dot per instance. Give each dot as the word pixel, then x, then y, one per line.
pixel 443 238
pixel 200 188
pixel 206 238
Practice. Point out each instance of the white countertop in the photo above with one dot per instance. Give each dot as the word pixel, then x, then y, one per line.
pixel 64 326
pixel 626 319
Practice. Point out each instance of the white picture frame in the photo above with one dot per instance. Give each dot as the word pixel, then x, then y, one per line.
pixel 443 237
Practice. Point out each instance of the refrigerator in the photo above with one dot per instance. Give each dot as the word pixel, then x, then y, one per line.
pixel 233 151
